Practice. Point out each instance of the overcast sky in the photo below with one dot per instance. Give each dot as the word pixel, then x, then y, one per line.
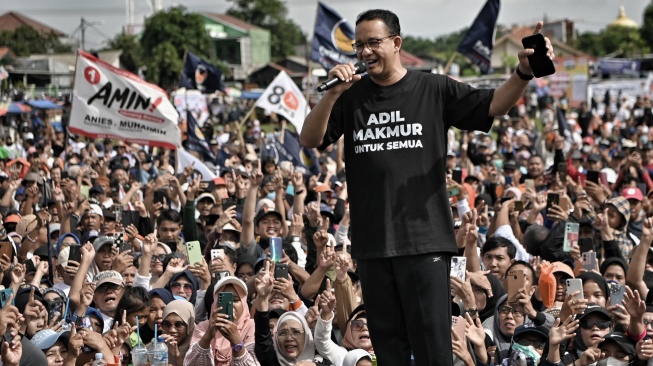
pixel 425 18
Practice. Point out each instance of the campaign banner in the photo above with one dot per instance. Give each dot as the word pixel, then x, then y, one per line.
pixel 108 102
pixel 289 149
pixel 192 100
pixel 333 38
pixel 201 75
pixel 479 41
pixel 283 97
pixel 619 66
pixel 184 159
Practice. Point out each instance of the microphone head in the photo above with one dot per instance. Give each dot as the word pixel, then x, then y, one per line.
pixel 361 66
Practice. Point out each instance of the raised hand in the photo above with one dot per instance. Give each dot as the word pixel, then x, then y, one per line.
pixel 635 306
pixel 176 265
pixel 562 332
pixel 12 351
pixel 264 281
pixel 327 302
pixel 474 331
pixel 343 263
pixel 321 239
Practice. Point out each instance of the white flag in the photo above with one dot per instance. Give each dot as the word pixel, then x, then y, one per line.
pixel 184 159
pixel 284 97
pixel 112 103
pixel 3 73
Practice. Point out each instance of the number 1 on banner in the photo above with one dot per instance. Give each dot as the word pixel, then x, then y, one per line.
pixel 92 75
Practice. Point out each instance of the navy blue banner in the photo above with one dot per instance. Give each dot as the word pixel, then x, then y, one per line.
pixel 479 41
pixel 563 126
pixel 196 140
pixel 290 150
pixel 201 75
pixel 333 39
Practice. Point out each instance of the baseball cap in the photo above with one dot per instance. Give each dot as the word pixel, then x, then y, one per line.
pixel 323 188
pixel 27 224
pixel 621 340
pixel 230 280
pixel 530 329
pixel 96 209
pixel 205 195
pixel 588 140
pixel 89 236
pixel 627 144
pixel 576 155
pixel 263 213
pixel 46 338
pixel 229 226
pixel 108 277
pixel 13 218
pixel 633 193
pixel 594 158
pixel 96 189
pixel 595 309
pixel 219 181
pixel 561 267
pixel 102 241
pixel 32 177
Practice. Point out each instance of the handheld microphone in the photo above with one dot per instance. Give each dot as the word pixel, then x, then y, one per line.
pixel 359 68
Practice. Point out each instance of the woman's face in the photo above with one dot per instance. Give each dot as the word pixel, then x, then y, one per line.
pixel 37 324
pixel 142 317
pixel 291 338
pixel 182 287
pixel 68 241
pixel 561 287
pixel 56 354
pixel 156 312
pixel 648 323
pixel 360 333
pixel 238 304
pixel 509 319
pixel 592 329
pixel 156 266
pixel 176 327
pixel 615 272
pixel 593 293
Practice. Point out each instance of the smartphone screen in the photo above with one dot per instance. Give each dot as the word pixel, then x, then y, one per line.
pixel 457 176
pixel 562 171
pixel 593 176
pixel 276 249
pixel 552 198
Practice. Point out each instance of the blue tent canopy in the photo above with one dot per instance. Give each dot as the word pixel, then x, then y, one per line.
pixel 250 95
pixel 43 104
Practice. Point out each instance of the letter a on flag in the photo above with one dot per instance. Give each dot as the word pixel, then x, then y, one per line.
pixel 284 97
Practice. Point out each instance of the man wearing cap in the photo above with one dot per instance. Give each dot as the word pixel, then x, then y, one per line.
pixel 109 288
pixel 91 219
pixel 635 198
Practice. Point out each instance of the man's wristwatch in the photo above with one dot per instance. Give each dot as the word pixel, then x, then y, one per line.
pixel 472 312
pixel 522 75
pixel 238 346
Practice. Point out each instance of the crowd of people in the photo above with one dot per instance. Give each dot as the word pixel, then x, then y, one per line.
pixel 98 238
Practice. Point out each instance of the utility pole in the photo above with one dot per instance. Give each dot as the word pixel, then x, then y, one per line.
pixel 82 27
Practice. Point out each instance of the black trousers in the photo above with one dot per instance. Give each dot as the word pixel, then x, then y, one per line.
pixel 408 308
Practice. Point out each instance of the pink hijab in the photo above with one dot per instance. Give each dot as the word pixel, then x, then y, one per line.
pixel 221 347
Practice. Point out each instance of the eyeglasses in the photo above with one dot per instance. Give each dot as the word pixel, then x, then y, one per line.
pixel 588 324
pixel 109 287
pixel 159 258
pixel 166 324
pixel 358 325
pixel 531 342
pixel 505 310
pixel 647 322
pixel 294 333
pixel 188 287
pixel 372 44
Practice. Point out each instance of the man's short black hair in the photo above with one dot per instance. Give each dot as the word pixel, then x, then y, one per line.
pixel 169 215
pixel 496 242
pixel 534 237
pixel 533 275
pixel 386 16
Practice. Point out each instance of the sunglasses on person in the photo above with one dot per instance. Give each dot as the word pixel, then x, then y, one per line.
pixel 531 342
pixel 108 287
pixel 159 258
pixel 358 325
pixel 188 287
pixel 588 324
pixel 505 310
pixel 166 325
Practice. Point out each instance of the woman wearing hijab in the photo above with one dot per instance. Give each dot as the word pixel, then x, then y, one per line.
pixel 501 327
pixel 159 298
pixel 356 337
pixel 178 326
pixel 219 341
pixel 293 341
pixel 484 303
pixel 357 357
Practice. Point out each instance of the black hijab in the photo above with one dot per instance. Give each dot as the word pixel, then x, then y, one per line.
pixel 497 291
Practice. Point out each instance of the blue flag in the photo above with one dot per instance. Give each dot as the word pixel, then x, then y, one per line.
pixel 333 39
pixel 563 126
pixel 479 41
pixel 290 150
pixel 196 140
pixel 201 75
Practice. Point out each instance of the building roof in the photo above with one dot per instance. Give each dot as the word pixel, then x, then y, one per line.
pixel 622 20
pixel 12 20
pixel 517 33
pixel 408 59
pixel 7 57
pixel 232 21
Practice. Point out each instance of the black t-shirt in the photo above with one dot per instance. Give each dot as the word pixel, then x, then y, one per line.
pixel 396 147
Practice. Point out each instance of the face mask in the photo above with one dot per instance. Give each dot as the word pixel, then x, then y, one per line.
pixel 610 361
pixel 498 163
pixel 587 149
pixel 523 354
pixel 482 230
pixel 523 170
pixel 272 195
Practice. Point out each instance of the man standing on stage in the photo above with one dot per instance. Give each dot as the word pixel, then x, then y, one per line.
pixel 395 126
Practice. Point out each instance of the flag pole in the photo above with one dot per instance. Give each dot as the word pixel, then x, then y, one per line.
pixel 448 65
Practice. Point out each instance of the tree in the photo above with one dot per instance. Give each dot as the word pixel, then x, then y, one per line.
pixel 24 41
pixel 131 57
pixel 167 36
pixel 273 16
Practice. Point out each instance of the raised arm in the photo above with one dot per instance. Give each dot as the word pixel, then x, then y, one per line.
pixel 247 230
pixel 635 275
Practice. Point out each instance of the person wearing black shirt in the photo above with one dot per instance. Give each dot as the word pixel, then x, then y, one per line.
pixel 394 124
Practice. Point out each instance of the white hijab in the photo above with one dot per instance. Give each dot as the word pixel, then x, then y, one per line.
pixel 308 353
